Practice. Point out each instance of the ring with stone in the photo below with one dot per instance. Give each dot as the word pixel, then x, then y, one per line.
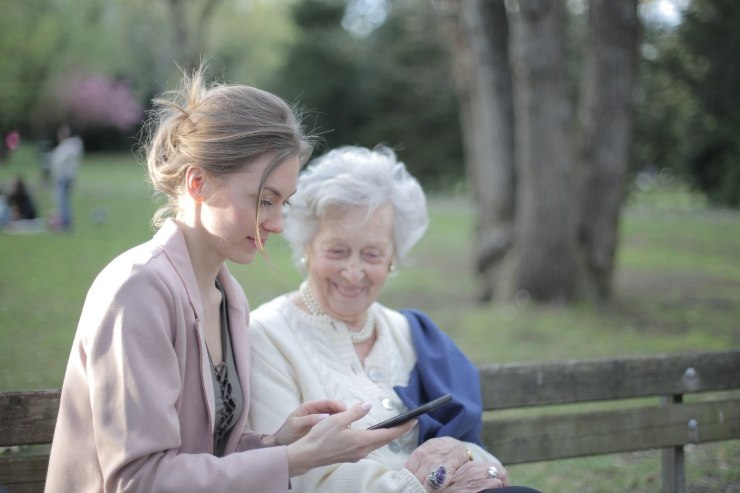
pixel 437 476
pixel 492 472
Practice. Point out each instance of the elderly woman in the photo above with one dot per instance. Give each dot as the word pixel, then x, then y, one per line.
pixel 353 220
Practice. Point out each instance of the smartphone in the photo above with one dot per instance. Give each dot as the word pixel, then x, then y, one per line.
pixel 408 415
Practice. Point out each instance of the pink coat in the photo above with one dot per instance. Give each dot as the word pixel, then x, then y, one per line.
pixel 137 406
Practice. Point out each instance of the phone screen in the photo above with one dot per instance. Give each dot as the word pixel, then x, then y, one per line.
pixel 408 415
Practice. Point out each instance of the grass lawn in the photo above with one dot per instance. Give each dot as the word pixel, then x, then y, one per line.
pixel 677 289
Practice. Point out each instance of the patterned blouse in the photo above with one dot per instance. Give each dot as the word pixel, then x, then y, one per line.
pixel 226 385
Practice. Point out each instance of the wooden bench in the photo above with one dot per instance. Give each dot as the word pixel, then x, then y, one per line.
pixel 668 422
pixel 515 436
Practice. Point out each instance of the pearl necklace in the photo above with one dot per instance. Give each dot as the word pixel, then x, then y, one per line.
pixel 358 337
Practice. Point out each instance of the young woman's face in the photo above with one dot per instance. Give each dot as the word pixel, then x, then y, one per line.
pixel 229 215
pixel 348 261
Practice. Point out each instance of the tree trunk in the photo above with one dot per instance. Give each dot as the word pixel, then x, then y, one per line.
pixel 478 34
pixel 191 29
pixel 180 23
pixel 605 134
pixel 569 186
pixel 545 259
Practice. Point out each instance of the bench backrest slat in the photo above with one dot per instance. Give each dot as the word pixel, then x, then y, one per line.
pixel 24 474
pixel 520 440
pixel 527 384
pixel 28 418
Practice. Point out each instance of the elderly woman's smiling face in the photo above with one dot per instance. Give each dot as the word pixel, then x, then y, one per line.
pixel 348 261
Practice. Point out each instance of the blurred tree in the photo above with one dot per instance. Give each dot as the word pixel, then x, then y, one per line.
pixel 690 112
pixel 322 73
pixel 387 85
pixel 543 258
pixel 191 20
pixel 251 40
pixel 32 36
pixel 663 107
pixel 478 32
pixel 556 239
pixel 103 110
pixel 411 94
pixel 44 43
pixel 604 138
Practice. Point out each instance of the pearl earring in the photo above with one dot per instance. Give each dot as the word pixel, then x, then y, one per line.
pixel 304 262
pixel 391 267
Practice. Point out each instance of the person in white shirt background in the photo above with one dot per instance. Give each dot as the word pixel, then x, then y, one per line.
pixel 65 160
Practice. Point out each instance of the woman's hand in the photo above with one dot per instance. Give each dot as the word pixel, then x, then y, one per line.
pixel 473 477
pixel 434 452
pixel 300 421
pixel 333 440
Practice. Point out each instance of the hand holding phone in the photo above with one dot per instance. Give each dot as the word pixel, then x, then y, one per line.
pixel 409 415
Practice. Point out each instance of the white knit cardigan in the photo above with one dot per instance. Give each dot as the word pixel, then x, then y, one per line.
pixel 297 357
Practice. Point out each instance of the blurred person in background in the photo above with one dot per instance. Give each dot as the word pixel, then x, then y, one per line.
pixel 22 213
pixel 8 145
pixel 4 209
pixel 156 392
pixel 355 217
pixel 20 203
pixel 65 160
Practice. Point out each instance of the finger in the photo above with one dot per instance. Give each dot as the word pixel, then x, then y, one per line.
pixel 413 462
pixel 498 465
pixel 503 474
pixel 305 423
pixel 499 481
pixel 504 479
pixel 372 439
pixel 322 407
pixel 346 418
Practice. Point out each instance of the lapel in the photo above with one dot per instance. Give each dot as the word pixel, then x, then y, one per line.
pixel 172 241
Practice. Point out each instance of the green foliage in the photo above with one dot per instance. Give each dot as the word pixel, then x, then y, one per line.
pixel 248 42
pixel 413 99
pixel 43 41
pixel 689 116
pixel 30 38
pixel 319 14
pixel 392 86
pixel 711 70
pixel 321 71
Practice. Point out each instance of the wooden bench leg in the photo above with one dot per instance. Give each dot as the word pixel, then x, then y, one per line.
pixel 673 467
pixel 674 474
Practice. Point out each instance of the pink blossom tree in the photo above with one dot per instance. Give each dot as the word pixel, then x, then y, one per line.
pixel 94 100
